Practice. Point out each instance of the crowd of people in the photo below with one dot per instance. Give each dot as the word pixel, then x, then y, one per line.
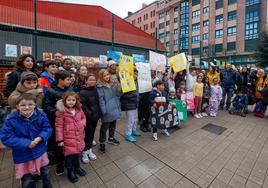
pixel 56 108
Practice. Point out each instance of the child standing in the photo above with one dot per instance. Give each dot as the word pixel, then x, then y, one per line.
pixel 206 96
pixel 110 108
pixel 26 132
pixel 158 98
pixel 89 98
pixel 198 94
pixel 70 125
pixel 215 97
pixel 47 78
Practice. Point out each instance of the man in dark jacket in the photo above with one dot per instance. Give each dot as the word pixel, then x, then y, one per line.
pixel 228 79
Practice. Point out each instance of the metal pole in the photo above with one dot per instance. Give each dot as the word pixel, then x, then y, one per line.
pixel 200 52
pixel 156 47
pixel 35 29
pixel 112 32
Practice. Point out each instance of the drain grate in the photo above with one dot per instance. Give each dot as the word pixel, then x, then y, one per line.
pixel 218 130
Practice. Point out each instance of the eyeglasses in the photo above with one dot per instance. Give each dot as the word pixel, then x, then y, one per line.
pixel 26 105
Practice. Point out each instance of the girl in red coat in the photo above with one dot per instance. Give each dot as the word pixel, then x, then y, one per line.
pixel 70 125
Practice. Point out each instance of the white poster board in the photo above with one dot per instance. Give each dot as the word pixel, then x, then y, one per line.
pixel 144 77
pixel 11 50
pixel 157 61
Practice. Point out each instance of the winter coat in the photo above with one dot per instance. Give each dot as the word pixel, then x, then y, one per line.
pixel 109 102
pixel 206 91
pixel 51 97
pixel 12 82
pixel 129 100
pixel 46 80
pixel 212 75
pixel 228 79
pixel 178 79
pixel 18 132
pixel 157 97
pixel 89 99
pixel 69 129
pixel 240 101
pixel 242 81
pixel 20 89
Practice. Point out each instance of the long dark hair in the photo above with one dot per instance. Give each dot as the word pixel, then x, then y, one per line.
pixel 204 81
pixel 20 60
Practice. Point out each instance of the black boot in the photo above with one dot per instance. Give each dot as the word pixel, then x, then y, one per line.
pixel 71 175
pixel 80 171
pixel 102 148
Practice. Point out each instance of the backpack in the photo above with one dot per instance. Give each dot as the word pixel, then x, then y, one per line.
pixel 259 110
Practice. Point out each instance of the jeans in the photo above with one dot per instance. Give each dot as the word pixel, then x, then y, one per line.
pixel 89 133
pixel 197 103
pixel 26 180
pixel 103 130
pixel 131 121
pixel 229 92
pixel 72 161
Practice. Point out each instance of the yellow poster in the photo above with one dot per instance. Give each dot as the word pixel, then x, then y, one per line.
pixel 126 73
pixel 178 62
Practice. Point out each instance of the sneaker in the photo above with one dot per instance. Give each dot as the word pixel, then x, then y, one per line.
pixel 197 116
pixel 102 147
pixel 91 155
pixel 165 131
pixel 155 137
pixel 85 158
pixel 136 133
pixel 213 114
pixel 130 138
pixel 200 116
pixel 113 141
pixel 94 143
pixel 204 114
pixel 144 129
pixel 59 169
pixel 37 178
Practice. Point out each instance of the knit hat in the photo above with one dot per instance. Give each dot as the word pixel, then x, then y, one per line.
pixel 172 89
pixel 111 62
pixel 28 75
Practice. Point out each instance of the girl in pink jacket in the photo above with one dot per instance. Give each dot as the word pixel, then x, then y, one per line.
pixel 69 127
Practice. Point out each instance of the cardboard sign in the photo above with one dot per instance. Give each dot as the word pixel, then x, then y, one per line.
pixel 178 62
pixel 157 61
pixel 181 107
pixel 144 77
pixel 138 58
pixel 115 55
pixel 189 97
pixel 11 50
pixel 126 73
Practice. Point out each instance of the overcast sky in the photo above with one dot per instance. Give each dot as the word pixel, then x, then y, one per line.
pixel 118 7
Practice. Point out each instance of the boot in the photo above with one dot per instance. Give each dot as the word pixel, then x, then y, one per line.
pixel 80 171
pixel 71 175
pixel 102 147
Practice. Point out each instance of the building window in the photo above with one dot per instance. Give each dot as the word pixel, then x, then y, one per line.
pixel 205 10
pixel 219 33
pixel 161 35
pixel 176 31
pixel 252 2
pixel 196 39
pixel 152 13
pixel 133 22
pixel 196 14
pixel 232 15
pixel 195 51
pixel 184 19
pixel 252 16
pixel 219 19
pixel 161 25
pixel 205 50
pixel 176 42
pixel 167 23
pixel 195 2
pixel 176 9
pixel 219 4
pixel 205 36
pixel 205 23
pixel 145 27
pixel 167 12
pixel 231 31
pixel 161 15
pixel 184 31
pixel 167 34
pixel 167 44
pixel 252 30
pixel 231 46
pixel 218 47
pixel 184 43
pixel 176 20
pixel 196 26
pixel 231 2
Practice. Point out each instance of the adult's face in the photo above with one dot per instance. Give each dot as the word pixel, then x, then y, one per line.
pixel 228 66
pixel 28 63
pixel 83 71
pixel 58 57
pixel 244 69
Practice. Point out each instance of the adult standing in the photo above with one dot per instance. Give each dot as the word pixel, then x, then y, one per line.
pixel 58 58
pixel 228 79
pixel 243 80
pixel 179 77
pixel 25 62
pixel 212 74
pixel 259 85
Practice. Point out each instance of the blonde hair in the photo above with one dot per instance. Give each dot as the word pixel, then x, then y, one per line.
pixel 101 73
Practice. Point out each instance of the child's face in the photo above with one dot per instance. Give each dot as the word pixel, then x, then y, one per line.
pixel 172 94
pixel 83 71
pixel 106 76
pixel 91 81
pixel 240 94
pixel 65 82
pixel 30 84
pixel 182 86
pixel 215 81
pixel 26 107
pixel 70 101
pixel 199 79
pixel 52 69
pixel 67 65
pixel 160 87
pixel 72 78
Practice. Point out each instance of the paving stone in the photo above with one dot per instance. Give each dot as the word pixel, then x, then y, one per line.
pixel 120 181
pixel 238 181
pixel 183 183
pixel 126 162
pixel 108 172
pixel 205 180
pixel 138 174
pixel 152 182
pixel 251 184
pixel 217 184
pixel 169 176
pixel 152 164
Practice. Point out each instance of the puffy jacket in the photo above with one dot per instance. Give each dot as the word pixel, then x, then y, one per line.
pixel 109 102
pixel 18 132
pixel 46 80
pixel 89 98
pixel 212 75
pixel 20 89
pixel 129 100
pixel 155 97
pixel 69 128
pixel 12 82
pixel 228 79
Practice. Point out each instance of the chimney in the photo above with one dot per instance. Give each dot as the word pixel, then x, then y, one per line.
pixel 129 13
pixel 144 5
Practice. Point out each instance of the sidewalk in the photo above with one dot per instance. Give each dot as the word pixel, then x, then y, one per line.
pixel 190 157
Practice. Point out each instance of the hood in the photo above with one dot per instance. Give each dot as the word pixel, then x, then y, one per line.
pixel 20 88
pixel 60 106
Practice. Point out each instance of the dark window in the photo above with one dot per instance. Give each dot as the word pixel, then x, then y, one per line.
pixel 252 2
pixel 252 16
pixel 176 31
pixel 167 44
pixel 232 15
pixel 195 2
pixel 176 42
pixel 161 25
pixel 231 2
pixel 218 47
pixel 176 20
pixel 196 39
pixel 205 23
pixel 161 15
pixel 205 9
pixel 196 26
pixel 167 23
pixel 219 33
pixel 252 30
pixel 161 35
pixel 195 51
pixel 219 19
pixel 205 36
pixel 196 14
pixel 176 9
pixel 231 46
pixel 167 34
pixel 219 4
pixel 231 31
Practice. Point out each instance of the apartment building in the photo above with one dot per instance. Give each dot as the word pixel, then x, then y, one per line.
pixel 224 29
pixel 145 18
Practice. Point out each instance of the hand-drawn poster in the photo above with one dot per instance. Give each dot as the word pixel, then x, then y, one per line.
pixel 138 58
pixel 47 56
pixel 11 50
pixel 178 62
pixel 189 97
pixel 144 77
pixel 103 61
pixel 25 50
pixel 126 73
pixel 181 107
pixel 164 117
pixel 157 62
pixel 115 55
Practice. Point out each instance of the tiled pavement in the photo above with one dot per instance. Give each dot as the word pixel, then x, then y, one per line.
pixel 190 157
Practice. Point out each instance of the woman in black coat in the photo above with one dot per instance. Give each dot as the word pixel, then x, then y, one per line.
pixel 25 62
